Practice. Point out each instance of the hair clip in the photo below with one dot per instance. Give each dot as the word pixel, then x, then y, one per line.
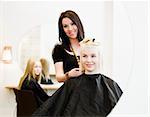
pixel 87 41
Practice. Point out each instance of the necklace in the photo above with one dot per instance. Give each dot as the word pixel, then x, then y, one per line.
pixel 75 55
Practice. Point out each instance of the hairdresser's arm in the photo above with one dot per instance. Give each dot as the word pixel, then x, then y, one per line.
pixel 61 76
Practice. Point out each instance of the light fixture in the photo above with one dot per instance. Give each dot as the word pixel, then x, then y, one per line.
pixel 7 54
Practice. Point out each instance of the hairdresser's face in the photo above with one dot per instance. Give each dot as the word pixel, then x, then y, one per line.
pixel 70 28
pixel 89 60
pixel 37 68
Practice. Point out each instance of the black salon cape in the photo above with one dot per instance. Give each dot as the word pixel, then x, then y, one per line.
pixel 86 95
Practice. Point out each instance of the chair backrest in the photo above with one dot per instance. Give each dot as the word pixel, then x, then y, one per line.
pixel 26 102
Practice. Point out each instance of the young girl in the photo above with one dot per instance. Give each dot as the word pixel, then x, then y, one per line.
pixel 29 80
pixel 90 94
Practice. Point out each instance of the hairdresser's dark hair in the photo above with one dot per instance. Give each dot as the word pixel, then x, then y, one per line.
pixel 63 38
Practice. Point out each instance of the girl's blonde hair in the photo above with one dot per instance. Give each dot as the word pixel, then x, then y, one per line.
pixel 45 67
pixel 29 72
pixel 91 43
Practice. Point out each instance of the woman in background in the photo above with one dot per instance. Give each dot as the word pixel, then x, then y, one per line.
pixel 91 94
pixel 45 71
pixel 66 54
pixel 29 80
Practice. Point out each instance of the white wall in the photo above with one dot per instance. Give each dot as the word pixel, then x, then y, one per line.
pixel 130 57
pixel 9 75
pixel 1 27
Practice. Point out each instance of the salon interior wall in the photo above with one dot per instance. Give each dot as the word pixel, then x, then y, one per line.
pixel 130 60
pixel 1 27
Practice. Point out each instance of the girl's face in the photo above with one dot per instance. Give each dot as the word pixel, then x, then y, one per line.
pixel 70 28
pixel 90 60
pixel 37 68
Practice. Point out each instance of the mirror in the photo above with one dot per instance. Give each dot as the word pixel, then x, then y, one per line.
pixel 29 46
pixel 35 44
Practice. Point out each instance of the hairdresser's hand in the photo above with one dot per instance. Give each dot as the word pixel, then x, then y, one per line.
pixel 75 72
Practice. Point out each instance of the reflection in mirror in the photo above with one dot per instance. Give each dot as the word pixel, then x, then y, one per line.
pixel 29 46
